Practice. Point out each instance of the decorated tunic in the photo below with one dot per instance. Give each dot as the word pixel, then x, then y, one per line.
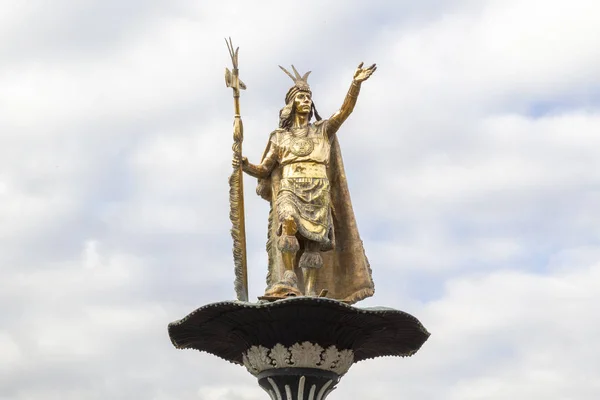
pixel 304 189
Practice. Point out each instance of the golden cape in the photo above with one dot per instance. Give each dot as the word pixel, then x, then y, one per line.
pixel 346 272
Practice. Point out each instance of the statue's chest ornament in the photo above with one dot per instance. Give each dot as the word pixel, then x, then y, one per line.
pixel 302 142
pixel 301 146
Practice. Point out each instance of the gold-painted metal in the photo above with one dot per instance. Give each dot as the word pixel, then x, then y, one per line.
pixel 289 229
pixel 305 170
pixel 310 280
pixel 236 183
pixel 302 175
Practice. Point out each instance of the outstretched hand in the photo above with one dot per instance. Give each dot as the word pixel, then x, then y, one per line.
pixel 362 74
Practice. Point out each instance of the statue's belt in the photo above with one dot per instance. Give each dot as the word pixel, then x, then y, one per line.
pixel 305 170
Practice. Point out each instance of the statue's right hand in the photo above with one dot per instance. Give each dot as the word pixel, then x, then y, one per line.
pixel 236 162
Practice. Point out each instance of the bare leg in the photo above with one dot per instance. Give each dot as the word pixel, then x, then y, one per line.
pixel 310 262
pixel 310 278
pixel 289 246
pixel 288 243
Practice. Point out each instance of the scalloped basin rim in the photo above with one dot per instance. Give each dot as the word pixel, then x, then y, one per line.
pixel 227 329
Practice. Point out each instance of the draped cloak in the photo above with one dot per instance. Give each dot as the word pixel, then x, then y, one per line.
pixel 346 273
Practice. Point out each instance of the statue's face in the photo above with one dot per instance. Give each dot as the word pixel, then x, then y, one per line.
pixel 302 102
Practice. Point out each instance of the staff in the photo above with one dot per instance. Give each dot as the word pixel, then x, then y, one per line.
pixel 236 184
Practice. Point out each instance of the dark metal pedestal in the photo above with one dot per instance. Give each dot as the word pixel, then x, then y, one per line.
pixel 298 383
pixel 298 348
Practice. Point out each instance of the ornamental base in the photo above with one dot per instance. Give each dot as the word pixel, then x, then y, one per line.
pixel 298 348
pixel 298 383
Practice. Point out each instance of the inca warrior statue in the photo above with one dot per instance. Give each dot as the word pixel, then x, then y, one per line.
pixel 303 335
pixel 313 243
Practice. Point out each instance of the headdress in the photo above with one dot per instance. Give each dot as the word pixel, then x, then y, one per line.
pixel 300 85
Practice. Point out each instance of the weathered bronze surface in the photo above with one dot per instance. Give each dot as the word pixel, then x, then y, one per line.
pixel 236 183
pixel 313 242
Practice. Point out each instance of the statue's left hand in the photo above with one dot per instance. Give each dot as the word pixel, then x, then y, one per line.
pixel 362 74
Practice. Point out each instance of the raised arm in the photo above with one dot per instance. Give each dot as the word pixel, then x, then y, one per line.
pixel 361 74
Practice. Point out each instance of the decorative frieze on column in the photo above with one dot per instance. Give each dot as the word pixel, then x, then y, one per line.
pixel 300 355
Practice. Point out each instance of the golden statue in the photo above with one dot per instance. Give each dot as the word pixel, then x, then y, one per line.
pixel 313 245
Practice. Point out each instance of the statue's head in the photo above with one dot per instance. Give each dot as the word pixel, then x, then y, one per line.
pixel 297 100
pixel 303 102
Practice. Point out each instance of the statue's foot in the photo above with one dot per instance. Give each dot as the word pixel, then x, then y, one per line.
pixel 280 291
pixel 290 279
pixel 287 287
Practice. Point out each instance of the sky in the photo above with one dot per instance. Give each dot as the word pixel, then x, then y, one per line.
pixel 472 160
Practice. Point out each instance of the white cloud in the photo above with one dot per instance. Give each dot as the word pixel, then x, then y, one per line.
pixel 508 334
pixel 11 352
pixel 231 392
pixel 471 158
